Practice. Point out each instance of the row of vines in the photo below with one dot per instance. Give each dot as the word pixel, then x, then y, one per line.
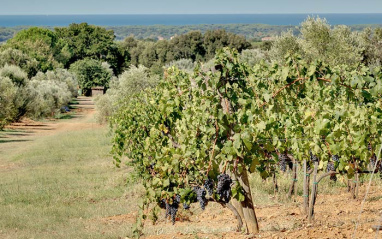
pixel 196 137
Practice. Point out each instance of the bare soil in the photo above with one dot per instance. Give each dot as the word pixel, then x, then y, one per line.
pixel 335 217
pixel 83 113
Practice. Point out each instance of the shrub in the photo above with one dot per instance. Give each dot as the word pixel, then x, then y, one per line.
pixel 285 44
pixel 61 75
pixel 15 73
pixel 252 56
pixel 19 80
pixel 8 93
pixel 183 64
pixel 47 97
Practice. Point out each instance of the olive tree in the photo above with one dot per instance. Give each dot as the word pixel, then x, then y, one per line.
pixel 91 73
pixel 130 82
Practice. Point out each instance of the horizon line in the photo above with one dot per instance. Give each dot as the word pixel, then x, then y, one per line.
pixel 105 14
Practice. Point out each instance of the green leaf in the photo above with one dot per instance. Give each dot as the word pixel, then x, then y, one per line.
pixel 261 126
pixel 284 73
pixel 267 97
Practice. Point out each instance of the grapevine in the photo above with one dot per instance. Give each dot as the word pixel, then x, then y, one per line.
pixel 223 122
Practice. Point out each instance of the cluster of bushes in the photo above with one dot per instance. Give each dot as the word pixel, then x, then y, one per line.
pixel 85 48
pixel 40 96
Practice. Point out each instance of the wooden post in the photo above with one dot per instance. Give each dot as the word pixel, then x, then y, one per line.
pixel 313 195
pixel 306 189
pixel 294 178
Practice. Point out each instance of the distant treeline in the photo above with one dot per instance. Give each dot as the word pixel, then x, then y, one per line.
pixel 253 32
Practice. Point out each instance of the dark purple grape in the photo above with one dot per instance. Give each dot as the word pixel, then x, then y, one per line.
pixel 373 160
pixel 331 167
pixel 313 158
pixel 173 208
pixel 284 160
pixel 335 158
pixel 209 186
pixel 201 196
pixel 223 188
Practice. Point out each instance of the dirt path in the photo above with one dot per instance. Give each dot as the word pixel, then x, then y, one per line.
pixel 18 135
pixel 81 117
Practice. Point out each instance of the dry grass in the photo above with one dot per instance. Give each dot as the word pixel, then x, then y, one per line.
pixel 61 186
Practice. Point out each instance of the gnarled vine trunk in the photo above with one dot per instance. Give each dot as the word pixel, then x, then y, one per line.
pixel 247 205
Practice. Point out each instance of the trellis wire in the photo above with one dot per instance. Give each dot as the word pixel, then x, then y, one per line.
pixel 378 227
pixel 367 192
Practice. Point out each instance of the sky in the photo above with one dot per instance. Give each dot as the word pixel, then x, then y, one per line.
pixel 44 7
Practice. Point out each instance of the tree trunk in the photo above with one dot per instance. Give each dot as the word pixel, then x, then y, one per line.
pixel 295 180
pixel 247 205
pixel 349 185
pixel 236 204
pixel 352 188
pixel 313 195
pixel 356 185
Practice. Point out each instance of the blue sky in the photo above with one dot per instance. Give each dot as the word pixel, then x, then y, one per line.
pixel 12 7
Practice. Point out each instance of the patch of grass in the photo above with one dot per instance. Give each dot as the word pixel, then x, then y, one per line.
pixel 263 190
pixel 12 140
pixel 69 115
pixel 74 102
pixel 376 198
pixel 64 187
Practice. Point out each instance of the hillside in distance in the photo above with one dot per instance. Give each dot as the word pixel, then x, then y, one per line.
pixel 157 32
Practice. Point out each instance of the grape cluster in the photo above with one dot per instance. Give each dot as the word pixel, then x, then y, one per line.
pixel 308 167
pixel 373 160
pixel 331 167
pixel 201 196
pixel 378 167
pixel 171 209
pixel 283 161
pixel 313 158
pixel 209 186
pixel 336 158
pixel 162 203
pixel 223 188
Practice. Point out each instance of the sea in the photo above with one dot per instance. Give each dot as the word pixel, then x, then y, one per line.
pixel 189 19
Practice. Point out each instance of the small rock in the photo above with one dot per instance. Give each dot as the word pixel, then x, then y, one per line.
pixel 370 230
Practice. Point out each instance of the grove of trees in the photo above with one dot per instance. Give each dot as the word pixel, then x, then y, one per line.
pixel 35 63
